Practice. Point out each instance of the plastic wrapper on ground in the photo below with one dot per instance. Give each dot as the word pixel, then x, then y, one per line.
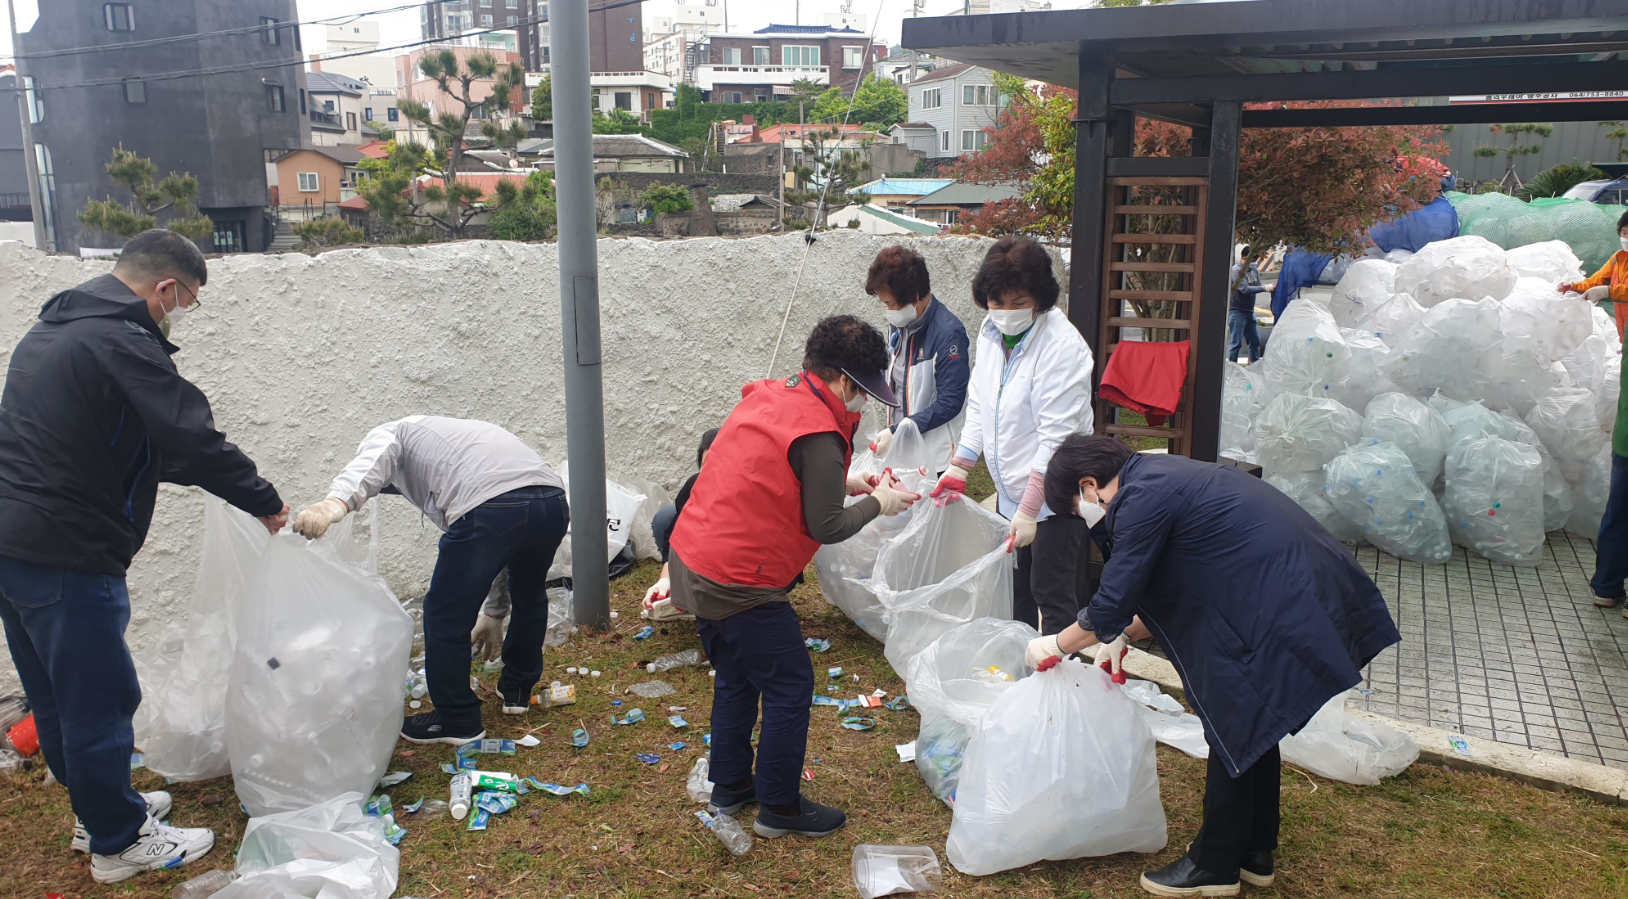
pixel 1362 381
pixel 313 701
pixel 1309 490
pixel 1169 723
pixel 1366 286
pixel 181 722
pixel 1393 319
pixel 890 870
pixel 1565 420
pixel 331 850
pixel 1462 268
pixel 1588 499
pixel 1061 767
pixel 1494 500
pixel 1306 354
pixel 1419 430
pixel 1376 488
pixel 1550 261
pixel 1452 349
pixel 1339 746
pixel 1298 433
pixel 949 566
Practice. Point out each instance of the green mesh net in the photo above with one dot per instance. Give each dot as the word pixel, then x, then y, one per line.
pixel 1590 228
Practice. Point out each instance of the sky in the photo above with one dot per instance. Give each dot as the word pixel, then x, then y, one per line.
pixel 744 15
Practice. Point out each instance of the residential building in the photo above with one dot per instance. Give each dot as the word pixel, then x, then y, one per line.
pixel 246 114
pixel 902 66
pixel 616 39
pixel 896 193
pixel 746 68
pixel 379 107
pixel 470 22
pixel 696 18
pixel 337 110
pixel 947 204
pixel 627 153
pixel 418 87
pixel 637 92
pixel 309 182
pixel 958 102
pixel 664 54
pixel 377 70
pixel 845 17
pixel 915 135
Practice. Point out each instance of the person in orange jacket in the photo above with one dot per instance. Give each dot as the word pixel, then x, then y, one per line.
pixel 1611 281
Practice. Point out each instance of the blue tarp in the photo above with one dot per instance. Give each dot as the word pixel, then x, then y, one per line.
pixel 1300 268
pixel 1436 221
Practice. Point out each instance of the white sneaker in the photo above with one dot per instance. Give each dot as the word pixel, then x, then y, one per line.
pixel 158 806
pixel 158 847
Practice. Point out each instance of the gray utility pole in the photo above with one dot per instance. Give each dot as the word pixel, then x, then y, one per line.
pixel 579 313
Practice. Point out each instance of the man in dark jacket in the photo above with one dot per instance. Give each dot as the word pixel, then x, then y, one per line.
pixel 1264 614
pixel 93 416
pixel 1246 285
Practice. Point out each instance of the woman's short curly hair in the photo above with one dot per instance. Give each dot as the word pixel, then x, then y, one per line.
pixel 902 271
pixel 844 342
pixel 1016 263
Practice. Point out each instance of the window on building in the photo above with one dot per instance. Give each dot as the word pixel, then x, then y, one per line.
pixel 732 56
pixel 274 98
pixel 762 95
pixel 624 100
pixel 973 141
pixel 36 109
pixel 932 99
pixel 485 21
pixel 48 194
pixel 760 56
pixel 302 101
pixel 979 95
pixel 944 141
pixel 269 32
pixel 309 182
pixel 853 57
pixel 511 4
pixel 798 55
pixel 119 16
pixel 732 96
pixel 392 114
pixel 350 121
pixel 229 236
pixel 513 21
pixel 135 92
pixel 367 114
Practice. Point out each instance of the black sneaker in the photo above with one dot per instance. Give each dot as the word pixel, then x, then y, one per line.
pixel 428 728
pixel 730 802
pixel 516 700
pixel 815 820
pixel 1256 869
pixel 1183 878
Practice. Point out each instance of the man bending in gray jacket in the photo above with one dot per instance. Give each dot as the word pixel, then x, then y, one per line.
pixel 499 506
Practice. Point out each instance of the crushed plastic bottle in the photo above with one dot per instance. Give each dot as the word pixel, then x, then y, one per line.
pixel 678 660
pixel 204 885
pixel 652 689
pixel 728 831
pixel 699 786
pixel 886 870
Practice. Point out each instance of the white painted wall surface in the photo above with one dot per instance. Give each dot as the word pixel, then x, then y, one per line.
pixel 301 355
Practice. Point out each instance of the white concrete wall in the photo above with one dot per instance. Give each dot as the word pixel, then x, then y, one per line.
pixel 301 355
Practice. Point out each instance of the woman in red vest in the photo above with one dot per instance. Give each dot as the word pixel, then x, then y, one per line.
pixel 770 492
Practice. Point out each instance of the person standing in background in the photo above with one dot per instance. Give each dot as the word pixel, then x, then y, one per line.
pixel 1246 286
pixel 927 355
pixel 1610 282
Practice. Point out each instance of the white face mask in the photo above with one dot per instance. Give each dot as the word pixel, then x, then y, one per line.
pixel 1625 243
pixel 904 315
pixel 858 402
pixel 1012 322
pixel 1090 511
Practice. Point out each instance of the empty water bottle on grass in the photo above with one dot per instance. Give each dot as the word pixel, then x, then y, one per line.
pixel 204 885
pixel 728 831
pixel 678 660
pixel 886 870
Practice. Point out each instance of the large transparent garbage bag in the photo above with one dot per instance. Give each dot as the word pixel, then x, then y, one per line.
pixel 845 568
pixel 1398 256
pixel 1376 488
pixel 1419 430
pixel 1588 500
pixel 313 700
pixel 1340 746
pixel 963 672
pixel 1587 365
pixel 1238 411
pixel 1461 268
pixel 1451 349
pixel 941 750
pixel 1557 503
pixel 1299 433
pixel 1393 319
pixel 181 722
pixel 622 511
pixel 331 850
pixel 1170 724
pixel 1362 381
pixel 949 566
pixel 1061 767
pixel 1367 285
pixel 1309 490
pixel 1306 354
pixel 1473 421
pixel 1538 319
pixel 561 616
pixel 1565 420
pixel 643 535
pixel 1494 500
pixel 1551 262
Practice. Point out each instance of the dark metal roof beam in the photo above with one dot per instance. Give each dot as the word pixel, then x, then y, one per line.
pixel 1463 114
pixel 1188 114
pixel 1363 85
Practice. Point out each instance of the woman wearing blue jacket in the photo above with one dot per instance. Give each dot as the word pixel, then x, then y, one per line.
pixel 1264 614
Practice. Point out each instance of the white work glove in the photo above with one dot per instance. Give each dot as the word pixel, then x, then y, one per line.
pixel 1598 294
pixel 660 590
pixel 487 637
pixel 1040 649
pixel 882 440
pixel 860 483
pixel 952 486
pixel 315 520
pixel 1021 533
pixel 1110 657
pixel 893 500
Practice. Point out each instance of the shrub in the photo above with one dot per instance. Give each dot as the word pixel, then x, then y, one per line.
pixel 327 232
pixel 668 198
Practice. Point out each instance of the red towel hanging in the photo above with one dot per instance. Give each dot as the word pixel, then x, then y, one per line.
pixel 1146 377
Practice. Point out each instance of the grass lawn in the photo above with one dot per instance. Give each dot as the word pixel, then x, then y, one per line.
pixel 1428 833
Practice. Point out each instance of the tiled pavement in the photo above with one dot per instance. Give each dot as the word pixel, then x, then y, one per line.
pixel 1468 661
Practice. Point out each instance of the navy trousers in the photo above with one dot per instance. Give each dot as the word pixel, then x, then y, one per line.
pixel 662 527
pixel 65 630
pixel 1611 549
pixel 1241 814
pixel 519 530
pixel 1048 583
pixel 759 655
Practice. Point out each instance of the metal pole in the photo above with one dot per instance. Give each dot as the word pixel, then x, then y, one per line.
pixel 579 312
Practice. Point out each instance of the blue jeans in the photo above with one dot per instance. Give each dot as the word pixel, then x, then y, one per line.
pixel 1243 327
pixel 759 654
pixel 662 526
pixel 65 630
pixel 519 530
pixel 1611 549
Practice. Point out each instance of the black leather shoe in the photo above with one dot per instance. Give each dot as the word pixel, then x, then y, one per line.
pixel 1183 878
pixel 814 820
pixel 730 802
pixel 1256 869
pixel 429 728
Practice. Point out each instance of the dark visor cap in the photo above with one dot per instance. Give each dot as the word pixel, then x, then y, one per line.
pixel 875 384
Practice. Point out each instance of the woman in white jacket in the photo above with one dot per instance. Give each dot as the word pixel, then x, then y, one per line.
pixel 1031 387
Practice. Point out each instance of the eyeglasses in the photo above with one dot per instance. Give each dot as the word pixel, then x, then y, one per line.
pixel 196 303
